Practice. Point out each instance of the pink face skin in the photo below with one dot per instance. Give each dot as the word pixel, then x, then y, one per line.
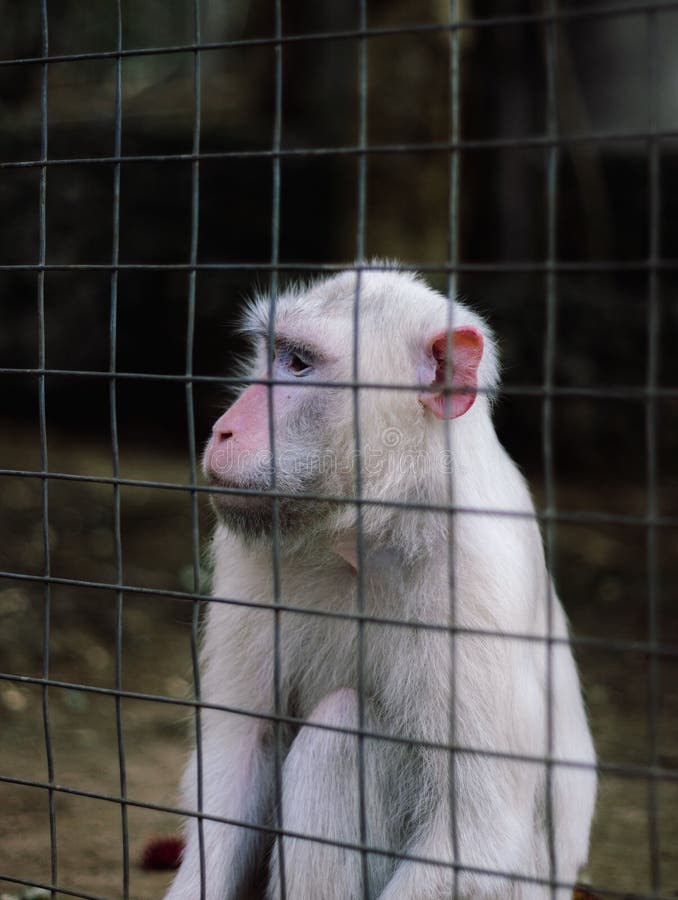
pixel 239 452
pixel 241 441
pixel 241 435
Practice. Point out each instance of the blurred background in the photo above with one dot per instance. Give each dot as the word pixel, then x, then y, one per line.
pixel 615 196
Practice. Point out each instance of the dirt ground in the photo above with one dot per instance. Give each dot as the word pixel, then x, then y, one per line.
pixel 602 576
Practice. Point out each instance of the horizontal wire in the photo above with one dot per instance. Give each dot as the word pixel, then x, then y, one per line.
pixel 576 518
pixel 45 886
pixel 626 392
pixel 273 831
pixel 496 143
pixel 667 651
pixel 589 12
pixel 483 268
pixel 625 770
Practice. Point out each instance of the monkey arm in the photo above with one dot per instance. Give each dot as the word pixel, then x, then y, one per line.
pixel 237 767
pixel 237 787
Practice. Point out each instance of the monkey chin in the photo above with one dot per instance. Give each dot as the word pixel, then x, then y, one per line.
pixel 253 516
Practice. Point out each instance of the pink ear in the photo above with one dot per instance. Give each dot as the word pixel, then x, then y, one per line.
pixel 467 351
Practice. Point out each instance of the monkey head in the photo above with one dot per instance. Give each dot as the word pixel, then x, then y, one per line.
pixel 358 371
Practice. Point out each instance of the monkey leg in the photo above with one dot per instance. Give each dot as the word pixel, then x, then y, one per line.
pixel 321 792
pixel 237 775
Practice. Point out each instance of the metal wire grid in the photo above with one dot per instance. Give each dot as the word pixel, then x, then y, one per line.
pixel 549 515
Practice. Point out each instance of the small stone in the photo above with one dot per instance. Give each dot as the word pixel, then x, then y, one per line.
pixel 13 699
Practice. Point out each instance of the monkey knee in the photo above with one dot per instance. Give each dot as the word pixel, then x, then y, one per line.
pixel 316 741
pixel 321 799
pixel 339 708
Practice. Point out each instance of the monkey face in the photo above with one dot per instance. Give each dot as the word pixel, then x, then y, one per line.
pixel 270 452
pixel 285 445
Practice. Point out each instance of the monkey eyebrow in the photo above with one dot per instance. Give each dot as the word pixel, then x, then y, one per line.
pixel 295 345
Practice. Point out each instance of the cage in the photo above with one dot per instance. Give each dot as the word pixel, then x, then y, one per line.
pixel 160 163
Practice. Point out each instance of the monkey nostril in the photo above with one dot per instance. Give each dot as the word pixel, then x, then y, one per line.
pixel 223 436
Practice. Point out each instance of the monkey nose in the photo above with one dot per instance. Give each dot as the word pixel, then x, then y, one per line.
pixel 221 435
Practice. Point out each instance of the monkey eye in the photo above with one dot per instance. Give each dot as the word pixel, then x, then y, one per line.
pixel 293 361
pixel 298 366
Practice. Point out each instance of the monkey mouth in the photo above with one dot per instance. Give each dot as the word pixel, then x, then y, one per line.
pixel 247 510
pixel 238 491
pixel 248 507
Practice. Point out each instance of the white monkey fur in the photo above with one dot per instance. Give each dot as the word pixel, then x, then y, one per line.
pixel 500 584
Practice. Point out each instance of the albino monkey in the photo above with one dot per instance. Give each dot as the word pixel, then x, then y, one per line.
pixel 482 815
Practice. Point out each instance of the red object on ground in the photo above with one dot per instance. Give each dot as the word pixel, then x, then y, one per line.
pixel 163 853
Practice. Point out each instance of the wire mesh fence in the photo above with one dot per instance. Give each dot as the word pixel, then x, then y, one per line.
pixel 159 163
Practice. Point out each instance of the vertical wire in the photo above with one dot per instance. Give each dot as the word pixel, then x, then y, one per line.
pixel 455 161
pixel 553 156
pixel 190 421
pixel 115 450
pixel 275 286
pixel 47 612
pixel 453 262
pixel 360 576
pixel 653 326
